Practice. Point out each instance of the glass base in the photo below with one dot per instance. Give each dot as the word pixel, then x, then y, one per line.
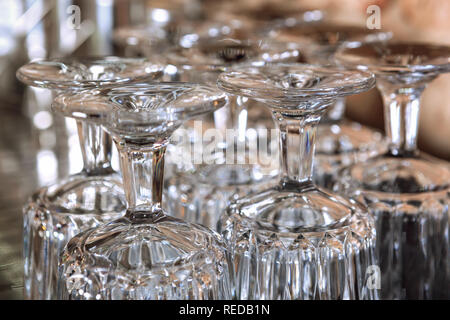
pixel 319 245
pixel 341 144
pixel 202 197
pixel 54 215
pixel 153 258
pixel 410 199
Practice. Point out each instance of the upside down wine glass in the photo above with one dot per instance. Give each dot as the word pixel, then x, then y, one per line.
pixel 201 193
pixel 146 254
pixel 295 240
pixel 407 192
pixel 56 213
pixel 341 142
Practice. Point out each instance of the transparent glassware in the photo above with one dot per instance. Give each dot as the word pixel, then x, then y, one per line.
pixel 407 192
pixel 152 40
pixel 295 240
pixel 200 193
pixel 341 142
pixel 146 254
pixel 57 212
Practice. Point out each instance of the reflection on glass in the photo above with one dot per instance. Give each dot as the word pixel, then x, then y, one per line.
pixel 293 240
pixel 57 212
pixel 146 254
pixel 341 141
pixel 201 193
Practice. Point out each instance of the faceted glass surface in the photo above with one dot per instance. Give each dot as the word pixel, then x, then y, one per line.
pixel 146 254
pixel 48 226
pixel 408 192
pixel 224 52
pixel 285 246
pixel 141 111
pixel 287 86
pixel 293 240
pixel 56 213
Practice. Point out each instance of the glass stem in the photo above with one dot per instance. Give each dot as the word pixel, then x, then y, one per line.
pixel 297 142
pixel 96 148
pixel 401 116
pixel 143 174
pixel 234 116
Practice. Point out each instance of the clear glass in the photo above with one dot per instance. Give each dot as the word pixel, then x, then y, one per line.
pixel 147 254
pixel 407 192
pixel 153 40
pixel 341 142
pixel 200 194
pixel 294 240
pixel 55 213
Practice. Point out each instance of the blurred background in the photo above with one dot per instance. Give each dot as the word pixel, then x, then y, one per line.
pixel 35 149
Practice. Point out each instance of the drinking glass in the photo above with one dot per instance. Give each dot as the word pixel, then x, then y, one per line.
pixel 260 17
pixel 341 142
pixel 146 254
pixel 200 193
pixel 407 191
pixel 57 212
pixel 295 240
